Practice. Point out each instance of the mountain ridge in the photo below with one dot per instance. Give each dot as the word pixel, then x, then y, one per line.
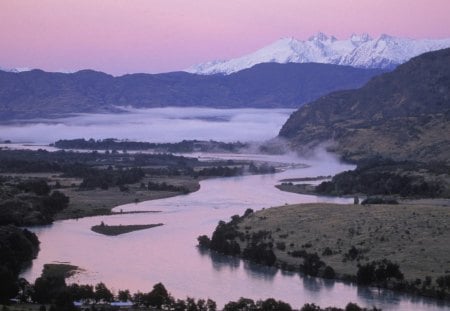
pixel 403 115
pixel 38 93
pixel 359 51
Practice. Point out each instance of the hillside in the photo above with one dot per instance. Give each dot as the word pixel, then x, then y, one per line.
pixel 403 115
pixel 334 240
pixel 39 94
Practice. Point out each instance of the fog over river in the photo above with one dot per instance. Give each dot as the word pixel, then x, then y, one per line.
pixel 170 124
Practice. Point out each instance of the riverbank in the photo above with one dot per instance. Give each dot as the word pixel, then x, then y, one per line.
pixel 99 202
pixel 333 241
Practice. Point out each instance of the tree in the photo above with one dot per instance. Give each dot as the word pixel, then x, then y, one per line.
pixel 25 290
pixel 102 293
pixel 378 271
pixel 352 307
pixel 47 288
pixel 139 298
pixel 8 285
pixel 211 305
pixel 81 292
pixel 191 305
pixel 310 307
pixel 242 304
pixel 204 241
pixel 64 302
pixel 124 295
pixel 158 296
pixel 271 304
pixel 329 273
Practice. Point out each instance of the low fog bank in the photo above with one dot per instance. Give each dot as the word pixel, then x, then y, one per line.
pixel 171 124
pixel 257 127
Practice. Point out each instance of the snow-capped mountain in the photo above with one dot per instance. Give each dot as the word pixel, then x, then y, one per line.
pixel 358 51
pixel 15 69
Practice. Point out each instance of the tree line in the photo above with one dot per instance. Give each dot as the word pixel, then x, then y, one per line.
pixel 179 147
pixel 379 176
pixel 53 291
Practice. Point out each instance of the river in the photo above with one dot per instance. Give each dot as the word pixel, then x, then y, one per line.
pixel 168 254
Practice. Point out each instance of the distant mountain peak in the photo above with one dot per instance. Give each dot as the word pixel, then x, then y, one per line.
pixel 360 50
pixel 364 37
pixel 320 36
pixel 22 69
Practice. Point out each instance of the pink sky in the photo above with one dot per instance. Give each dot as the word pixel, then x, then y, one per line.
pixel 126 36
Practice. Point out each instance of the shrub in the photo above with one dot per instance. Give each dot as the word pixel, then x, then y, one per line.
pixel 281 246
pixel 378 272
pixel 329 273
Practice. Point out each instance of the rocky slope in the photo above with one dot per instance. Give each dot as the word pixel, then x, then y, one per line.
pixel 403 115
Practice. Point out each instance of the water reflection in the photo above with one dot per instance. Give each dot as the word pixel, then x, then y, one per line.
pixel 258 271
pixel 371 295
pixel 220 261
pixel 311 284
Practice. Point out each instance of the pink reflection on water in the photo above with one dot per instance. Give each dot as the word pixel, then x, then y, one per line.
pixel 168 254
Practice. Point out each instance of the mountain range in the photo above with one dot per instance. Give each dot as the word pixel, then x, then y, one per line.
pixel 360 51
pixel 402 115
pixel 37 93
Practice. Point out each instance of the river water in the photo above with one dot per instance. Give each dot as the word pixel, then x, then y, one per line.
pixel 168 254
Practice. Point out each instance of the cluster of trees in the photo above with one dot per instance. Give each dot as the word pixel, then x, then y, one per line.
pixel 61 297
pixel 27 161
pixel 262 169
pixel 383 177
pixel 54 291
pixel 350 307
pixel 378 200
pixel 166 187
pixel 259 248
pixel 260 305
pixel 384 273
pixel 17 248
pixel 222 239
pixel 115 144
pixel 313 265
pixel 225 236
pixel 39 186
pixel 30 202
pixel 378 272
pixel 444 282
pixel 221 171
pixel 98 178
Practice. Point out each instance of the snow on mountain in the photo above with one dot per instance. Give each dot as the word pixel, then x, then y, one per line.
pixel 357 51
pixel 15 69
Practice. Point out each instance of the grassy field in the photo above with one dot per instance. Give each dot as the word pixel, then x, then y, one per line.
pixel 117 230
pixel 85 203
pixel 416 236
pixel 101 202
